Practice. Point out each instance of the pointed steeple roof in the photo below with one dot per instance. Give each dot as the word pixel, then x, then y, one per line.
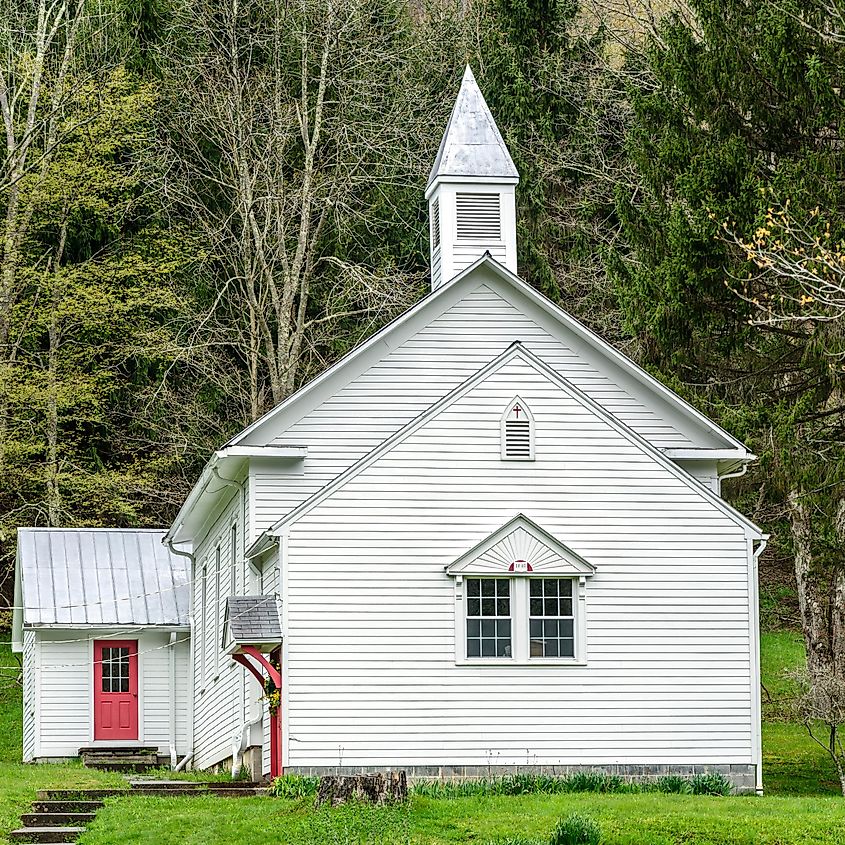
pixel 472 144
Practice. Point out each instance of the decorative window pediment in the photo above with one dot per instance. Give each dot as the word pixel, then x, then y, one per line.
pixel 521 547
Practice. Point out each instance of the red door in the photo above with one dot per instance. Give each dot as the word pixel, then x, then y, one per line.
pixel 116 690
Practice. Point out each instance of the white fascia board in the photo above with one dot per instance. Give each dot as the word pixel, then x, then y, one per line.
pixel 704 454
pixel 514 350
pixel 18 605
pixel 371 351
pixel 103 626
pixel 470 180
pixel 199 506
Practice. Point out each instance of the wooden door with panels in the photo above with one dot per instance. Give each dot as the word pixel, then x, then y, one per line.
pixel 116 690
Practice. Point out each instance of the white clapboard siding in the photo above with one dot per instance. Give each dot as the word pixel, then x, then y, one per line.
pixel 371 673
pixel 222 695
pixel 64 689
pixel 421 370
pixel 30 697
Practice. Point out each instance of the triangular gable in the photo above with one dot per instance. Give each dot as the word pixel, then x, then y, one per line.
pixel 520 546
pixel 515 350
pixel 371 351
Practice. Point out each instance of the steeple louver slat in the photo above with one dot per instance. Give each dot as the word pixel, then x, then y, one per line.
pixel 479 217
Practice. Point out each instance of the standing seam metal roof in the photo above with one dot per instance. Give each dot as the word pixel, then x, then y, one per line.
pixel 94 576
pixel 472 144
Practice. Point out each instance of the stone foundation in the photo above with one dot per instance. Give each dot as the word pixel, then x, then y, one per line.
pixel 743 776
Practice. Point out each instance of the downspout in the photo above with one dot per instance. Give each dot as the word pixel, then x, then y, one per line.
pixel 755 556
pixel 172 658
pixel 240 744
pixel 190 714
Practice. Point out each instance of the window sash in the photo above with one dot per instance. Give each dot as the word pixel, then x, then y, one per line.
pixel 551 618
pixel 488 629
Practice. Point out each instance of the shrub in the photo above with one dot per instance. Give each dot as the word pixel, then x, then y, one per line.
pixel 710 784
pixel 576 829
pixel 673 783
pixel 294 787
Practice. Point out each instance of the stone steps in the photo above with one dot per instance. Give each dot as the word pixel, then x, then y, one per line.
pixel 56 819
pixel 46 834
pixel 66 806
pixel 137 758
pixel 60 815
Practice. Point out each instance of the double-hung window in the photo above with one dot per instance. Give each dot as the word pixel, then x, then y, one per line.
pixel 520 598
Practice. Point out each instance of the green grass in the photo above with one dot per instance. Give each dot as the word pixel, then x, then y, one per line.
pixel 802 803
pixel 625 820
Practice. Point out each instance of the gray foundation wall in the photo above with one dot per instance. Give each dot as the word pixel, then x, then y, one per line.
pixel 743 776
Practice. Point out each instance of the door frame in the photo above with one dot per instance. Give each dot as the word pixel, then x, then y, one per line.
pixel 139 697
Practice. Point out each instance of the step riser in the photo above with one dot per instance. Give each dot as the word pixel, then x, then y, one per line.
pixel 66 806
pixel 56 819
pixel 78 794
pixel 58 834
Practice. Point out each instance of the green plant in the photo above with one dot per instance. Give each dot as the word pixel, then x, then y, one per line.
pixel 710 784
pixel 576 829
pixel 294 787
pixel 674 784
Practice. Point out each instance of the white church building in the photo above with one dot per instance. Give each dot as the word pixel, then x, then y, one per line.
pixel 484 541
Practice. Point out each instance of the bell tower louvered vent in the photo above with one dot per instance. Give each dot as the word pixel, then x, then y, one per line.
pixel 479 217
pixel 517 432
pixel 435 224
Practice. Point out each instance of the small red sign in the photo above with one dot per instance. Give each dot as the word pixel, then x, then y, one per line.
pixel 520 566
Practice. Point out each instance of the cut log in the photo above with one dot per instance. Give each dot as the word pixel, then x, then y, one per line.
pixel 378 788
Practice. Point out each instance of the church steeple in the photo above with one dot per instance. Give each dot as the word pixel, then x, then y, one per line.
pixel 471 190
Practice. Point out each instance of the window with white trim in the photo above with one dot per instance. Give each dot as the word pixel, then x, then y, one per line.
pixel 521 619
pixel 517 432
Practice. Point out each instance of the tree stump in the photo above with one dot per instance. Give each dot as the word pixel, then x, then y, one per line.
pixel 376 788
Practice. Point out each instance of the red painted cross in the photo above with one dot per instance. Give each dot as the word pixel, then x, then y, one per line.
pixel 516 409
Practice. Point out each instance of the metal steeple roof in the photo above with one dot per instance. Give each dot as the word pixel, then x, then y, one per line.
pixel 472 144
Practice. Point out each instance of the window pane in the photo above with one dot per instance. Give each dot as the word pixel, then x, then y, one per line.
pixel 473 607
pixel 566 607
pixel 567 648
pixel 550 607
pixel 488 587
pixel 536 648
pixel 536 588
pixel 488 628
pixel 473 628
pixel 503 607
pixel 488 648
pixel 473 587
pixel 536 606
pixel 473 648
pixel 503 648
pixel 503 629
pixel 566 626
pixel 488 607
pixel 565 586
pixel 503 588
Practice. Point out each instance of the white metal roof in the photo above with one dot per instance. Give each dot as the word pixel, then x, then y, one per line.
pixel 472 144
pixel 101 576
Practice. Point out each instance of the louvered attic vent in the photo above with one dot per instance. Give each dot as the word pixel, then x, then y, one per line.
pixel 435 224
pixel 517 432
pixel 479 217
pixel 518 439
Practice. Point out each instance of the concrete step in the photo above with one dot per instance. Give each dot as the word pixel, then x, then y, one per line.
pixel 119 749
pixel 250 792
pixel 68 806
pixel 154 783
pixel 46 834
pixel 56 819
pixel 78 794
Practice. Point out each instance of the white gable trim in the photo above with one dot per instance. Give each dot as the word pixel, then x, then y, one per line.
pixel 516 349
pixel 520 546
pixel 432 305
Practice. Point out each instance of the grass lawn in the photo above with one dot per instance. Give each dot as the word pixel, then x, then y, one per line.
pixel 802 803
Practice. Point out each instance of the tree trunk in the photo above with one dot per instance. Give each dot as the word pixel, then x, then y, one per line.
pixel 376 788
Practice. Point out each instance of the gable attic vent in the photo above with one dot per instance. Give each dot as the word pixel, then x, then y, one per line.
pixel 435 224
pixel 479 217
pixel 517 432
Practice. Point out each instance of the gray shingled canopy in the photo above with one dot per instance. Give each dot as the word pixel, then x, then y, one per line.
pixel 252 619
pixel 472 144
pixel 98 576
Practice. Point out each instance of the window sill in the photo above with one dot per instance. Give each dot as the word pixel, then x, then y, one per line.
pixel 534 661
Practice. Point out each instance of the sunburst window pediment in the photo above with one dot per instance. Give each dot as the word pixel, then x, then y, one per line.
pixel 521 547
